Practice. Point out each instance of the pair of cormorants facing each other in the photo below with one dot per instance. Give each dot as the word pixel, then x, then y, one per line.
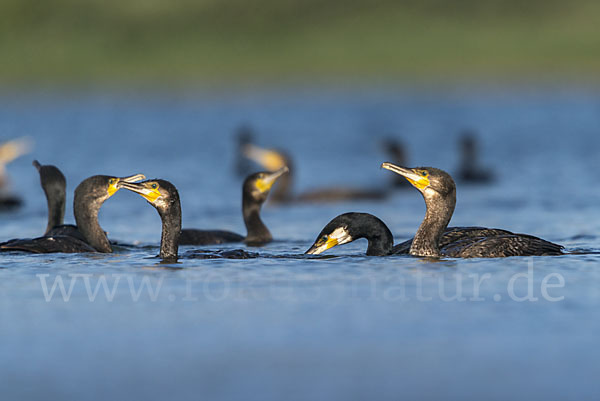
pixel 87 235
pixel 433 238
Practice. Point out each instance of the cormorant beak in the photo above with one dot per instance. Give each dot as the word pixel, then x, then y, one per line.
pixel 113 183
pixel 269 159
pixel 265 184
pixel 11 150
pixel 418 180
pixel 339 236
pixel 147 189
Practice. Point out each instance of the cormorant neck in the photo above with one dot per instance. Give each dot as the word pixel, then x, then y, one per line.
pixel 56 209
pixel 85 209
pixel 257 231
pixel 171 230
pixel 381 240
pixel 438 215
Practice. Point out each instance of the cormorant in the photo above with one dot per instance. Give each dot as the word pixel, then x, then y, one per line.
pixel 433 239
pixel 273 160
pixel 89 197
pixel 9 151
pixel 397 153
pixel 163 196
pixel 255 191
pixel 469 170
pixel 54 185
pixel 348 227
pixel 244 137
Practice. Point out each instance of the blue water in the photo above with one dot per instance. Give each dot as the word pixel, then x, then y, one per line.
pixel 287 327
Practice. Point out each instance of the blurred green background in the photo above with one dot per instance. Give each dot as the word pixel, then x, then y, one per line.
pixel 224 42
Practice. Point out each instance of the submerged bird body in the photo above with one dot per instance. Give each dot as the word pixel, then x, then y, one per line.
pixel 433 238
pixel 254 193
pixel 87 236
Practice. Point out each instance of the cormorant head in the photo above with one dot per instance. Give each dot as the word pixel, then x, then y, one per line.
pixel 428 180
pixel 258 185
pixel 336 232
pixel 159 193
pixel 348 227
pixel 99 188
pixel 52 179
pixel 269 159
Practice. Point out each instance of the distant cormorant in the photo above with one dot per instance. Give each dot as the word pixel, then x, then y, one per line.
pixel 469 170
pixel 255 191
pixel 273 160
pixel 9 151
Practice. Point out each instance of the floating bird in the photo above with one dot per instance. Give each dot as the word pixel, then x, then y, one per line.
pixel 433 238
pixel 54 184
pixel 470 171
pixel 255 191
pixel 244 136
pixel 273 160
pixel 349 227
pixel 396 151
pixel 10 151
pixel 88 235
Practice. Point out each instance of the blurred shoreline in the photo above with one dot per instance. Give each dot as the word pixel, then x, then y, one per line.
pixel 230 43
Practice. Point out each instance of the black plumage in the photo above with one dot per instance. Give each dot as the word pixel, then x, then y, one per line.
pixel 349 227
pixel 434 239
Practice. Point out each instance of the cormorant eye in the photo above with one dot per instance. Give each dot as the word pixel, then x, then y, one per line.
pixel 424 173
pixel 324 238
pixel 154 186
pixel 111 181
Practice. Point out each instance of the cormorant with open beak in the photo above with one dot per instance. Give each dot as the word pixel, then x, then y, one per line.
pixel 89 197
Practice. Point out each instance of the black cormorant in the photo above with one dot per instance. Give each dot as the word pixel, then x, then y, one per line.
pixel 244 136
pixel 9 151
pixel 396 151
pixel 273 160
pixel 348 227
pixel 469 170
pixel 163 196
pixel 255 191
pixel 54 185
pixel 433 239
pixel 89 197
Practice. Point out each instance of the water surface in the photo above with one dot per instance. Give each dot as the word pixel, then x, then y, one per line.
pixel 283 326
